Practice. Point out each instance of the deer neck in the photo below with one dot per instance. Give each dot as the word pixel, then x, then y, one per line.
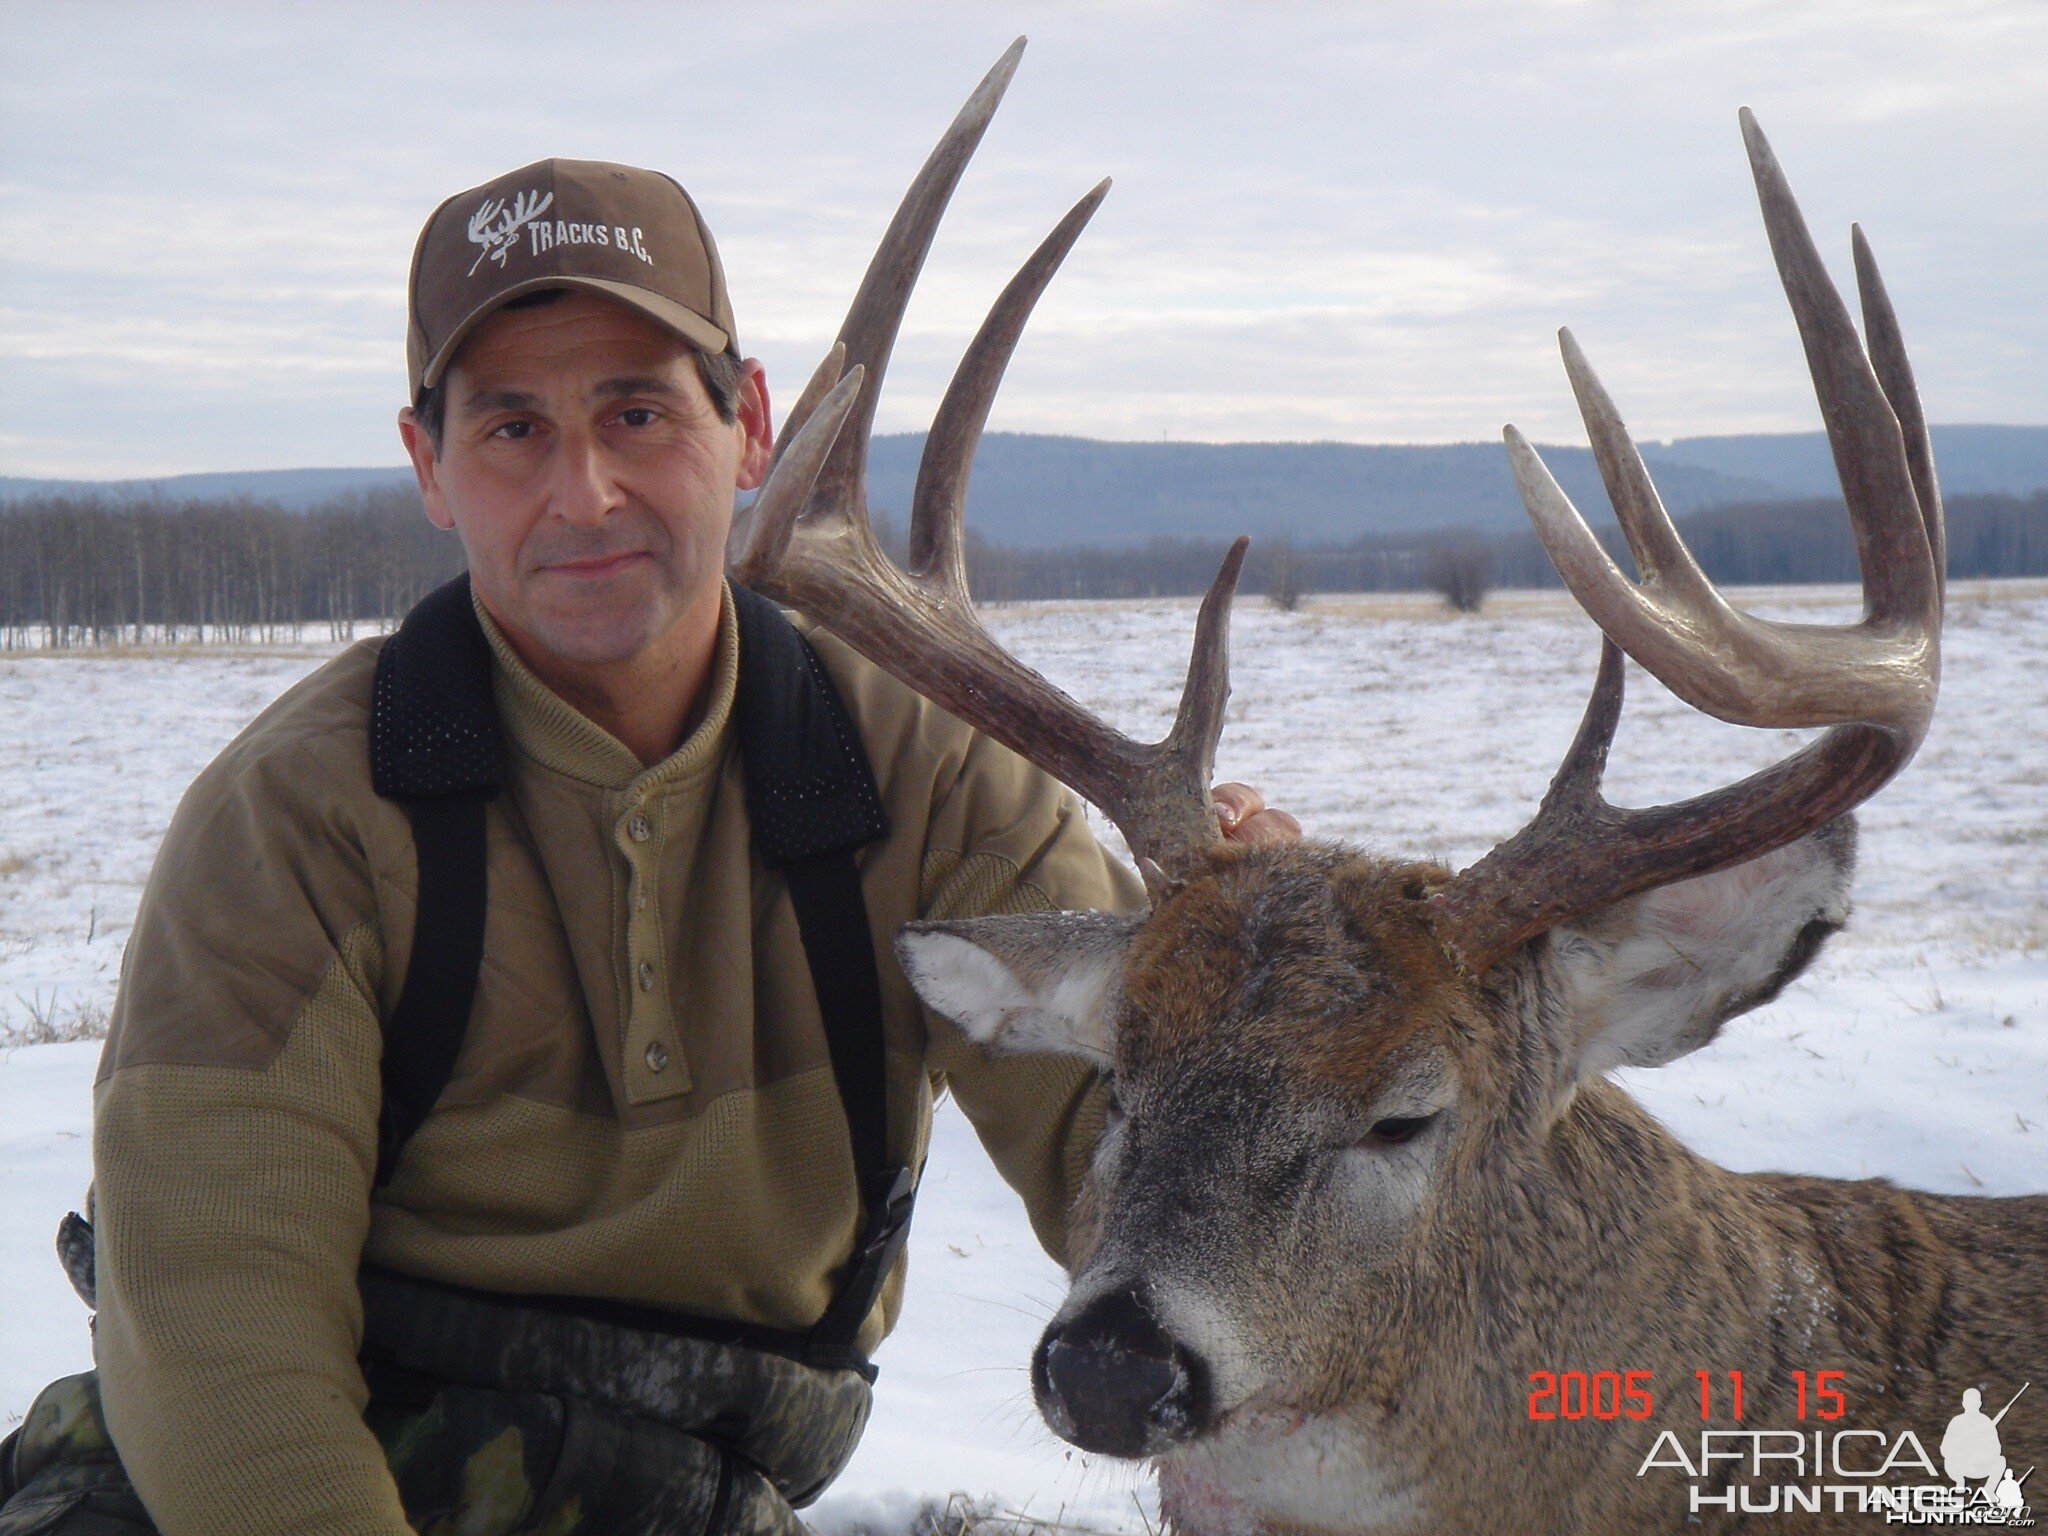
pixel 1613 1247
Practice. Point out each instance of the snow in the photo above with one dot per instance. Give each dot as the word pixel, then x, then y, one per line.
pixel 1915 1049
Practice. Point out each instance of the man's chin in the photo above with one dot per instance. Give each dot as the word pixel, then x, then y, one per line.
pixel 598 622
pixel 603 639
pixel 590 623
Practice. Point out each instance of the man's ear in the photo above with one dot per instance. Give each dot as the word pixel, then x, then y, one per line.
pixel 1040 981
pixel 1656 976
pixel 756 427
pixel 419 447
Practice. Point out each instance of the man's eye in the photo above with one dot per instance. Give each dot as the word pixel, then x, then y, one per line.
pixel 513 431
pixel 637 416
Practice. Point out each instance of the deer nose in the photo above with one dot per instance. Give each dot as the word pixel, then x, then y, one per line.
pixel 1109 1379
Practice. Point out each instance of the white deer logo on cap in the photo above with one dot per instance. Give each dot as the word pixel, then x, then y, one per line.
pixel 495 227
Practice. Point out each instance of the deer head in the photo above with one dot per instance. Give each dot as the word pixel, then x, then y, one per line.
pixel 1337 1075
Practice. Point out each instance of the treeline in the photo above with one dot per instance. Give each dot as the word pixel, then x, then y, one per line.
pixel 81 571
pixel 1746 544
pixel 77 571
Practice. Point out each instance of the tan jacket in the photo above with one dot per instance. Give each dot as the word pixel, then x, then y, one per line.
pixel 643 1108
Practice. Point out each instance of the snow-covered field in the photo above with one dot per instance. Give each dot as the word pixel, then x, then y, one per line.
pixel 1916 1049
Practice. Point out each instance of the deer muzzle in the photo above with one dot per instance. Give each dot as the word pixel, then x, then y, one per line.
pixel 1110 1380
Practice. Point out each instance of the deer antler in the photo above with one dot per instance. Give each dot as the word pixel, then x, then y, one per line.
pixel 811 544
pixel 1872 684
pixel 480 222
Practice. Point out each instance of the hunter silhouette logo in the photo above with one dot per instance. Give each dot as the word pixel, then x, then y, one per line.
pixel 1970 1452
pixel 495 227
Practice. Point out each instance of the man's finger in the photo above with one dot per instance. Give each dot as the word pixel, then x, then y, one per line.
pixel 1265 826
pixel 1235 802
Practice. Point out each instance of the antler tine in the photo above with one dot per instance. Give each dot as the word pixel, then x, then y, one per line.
pixel 774 512
pixel 1198 724
pixel 831 367
pixel 1492 906
pixel 1577 781
pixel 939 500
pixel 1869 450
pixel 746 520
pixel 1580 852
pixel 1872 684
pixel 1662 560
pixel 1738 668
pixel 812 547
pixel 869 332
pixel 1663 636
pixel 1895 374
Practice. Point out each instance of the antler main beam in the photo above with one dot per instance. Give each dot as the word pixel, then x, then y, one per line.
pixel 812 546
pixel 1872 684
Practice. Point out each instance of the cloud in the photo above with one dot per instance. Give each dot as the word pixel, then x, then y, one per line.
pixel 1360 222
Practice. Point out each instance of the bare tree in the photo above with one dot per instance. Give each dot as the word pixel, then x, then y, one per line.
pixel 1284 576
pixel 87 571
pixel 1462 572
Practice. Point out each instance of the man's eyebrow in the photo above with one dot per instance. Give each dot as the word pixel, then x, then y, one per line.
pixel 636 384
pixel 485 400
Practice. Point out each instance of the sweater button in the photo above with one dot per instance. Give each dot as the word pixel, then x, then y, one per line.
pixel 657 1057
pixel 646 975
pixel 640 828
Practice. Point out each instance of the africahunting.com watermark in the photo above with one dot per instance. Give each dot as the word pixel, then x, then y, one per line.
pixel 1968 1479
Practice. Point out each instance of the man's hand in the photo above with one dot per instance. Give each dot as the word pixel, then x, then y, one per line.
pixel 1245 818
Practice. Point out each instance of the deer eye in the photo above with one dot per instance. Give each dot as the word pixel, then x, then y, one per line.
pixel 1397 1130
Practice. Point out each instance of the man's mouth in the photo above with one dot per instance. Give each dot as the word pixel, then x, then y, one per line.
pixel 595 567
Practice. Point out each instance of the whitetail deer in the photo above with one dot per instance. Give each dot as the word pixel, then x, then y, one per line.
pixel 1363 1181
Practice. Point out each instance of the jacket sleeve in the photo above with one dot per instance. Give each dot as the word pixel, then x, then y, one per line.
pixel 1007 837
pixel 234 1144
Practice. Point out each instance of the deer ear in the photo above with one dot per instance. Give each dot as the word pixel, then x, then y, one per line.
pixel 1655 976
pixel 1040 981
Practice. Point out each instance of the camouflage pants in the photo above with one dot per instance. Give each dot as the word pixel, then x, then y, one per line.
pixel 482 1463
pixel 499 1421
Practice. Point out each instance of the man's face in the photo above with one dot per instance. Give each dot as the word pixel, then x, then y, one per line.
pixel 588 476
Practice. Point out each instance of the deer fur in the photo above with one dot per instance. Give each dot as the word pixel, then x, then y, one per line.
pixel 1367 1316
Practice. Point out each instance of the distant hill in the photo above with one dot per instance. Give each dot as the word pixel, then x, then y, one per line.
pixel 1970 460
pixel 296 489
pixel 1034 491
pixel 1037 492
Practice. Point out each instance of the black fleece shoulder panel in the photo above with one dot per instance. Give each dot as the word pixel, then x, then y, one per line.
pixel 810 791
pixel 433 716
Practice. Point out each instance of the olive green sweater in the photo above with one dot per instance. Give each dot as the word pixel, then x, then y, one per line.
pixel 643 1108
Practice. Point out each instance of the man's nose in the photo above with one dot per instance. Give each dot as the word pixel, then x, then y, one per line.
pixel 1109 1379
pixel 584 489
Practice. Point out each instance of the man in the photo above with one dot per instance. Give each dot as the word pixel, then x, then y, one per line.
pixel 636 1179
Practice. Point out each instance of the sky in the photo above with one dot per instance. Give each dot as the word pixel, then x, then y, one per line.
pixel 1358 222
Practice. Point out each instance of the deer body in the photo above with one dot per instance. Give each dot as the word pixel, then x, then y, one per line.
pixel 1365 1173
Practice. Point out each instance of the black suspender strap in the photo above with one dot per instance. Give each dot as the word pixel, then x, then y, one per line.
pixel 424 1034
pixel 825 892
pixel 435 748
pixel 812 801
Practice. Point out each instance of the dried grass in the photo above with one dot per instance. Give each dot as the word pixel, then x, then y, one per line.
pixel 51 1022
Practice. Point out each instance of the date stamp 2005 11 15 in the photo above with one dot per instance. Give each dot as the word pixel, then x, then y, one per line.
pixel 1605 1395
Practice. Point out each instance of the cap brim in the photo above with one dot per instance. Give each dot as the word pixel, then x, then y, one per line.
pixel 663 311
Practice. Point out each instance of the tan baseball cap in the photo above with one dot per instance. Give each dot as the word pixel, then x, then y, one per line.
pixel 632 235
